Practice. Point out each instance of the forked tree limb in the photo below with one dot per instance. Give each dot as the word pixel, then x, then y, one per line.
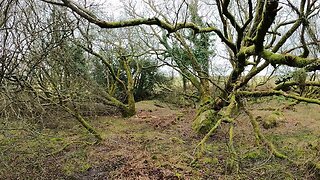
pixel 170 27
pixel 74 113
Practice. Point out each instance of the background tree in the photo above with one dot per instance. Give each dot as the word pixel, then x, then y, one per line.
pixel 255 35
pixel 128 69
pixel 42 77
pixel 185 51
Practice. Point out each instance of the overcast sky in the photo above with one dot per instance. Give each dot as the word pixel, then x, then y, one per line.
pixel 114 8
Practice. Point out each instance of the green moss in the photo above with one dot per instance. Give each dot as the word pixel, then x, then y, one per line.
pixel 154 157
pixel 204 121
pixel 287 59
pixel 85 167
pixel 278 113
pixel 179 116
pixel 209 160
pixel 212 147
pixel 253 155
pixel 75 162
pixel 71 168
pixel 271 121
pixel 178 175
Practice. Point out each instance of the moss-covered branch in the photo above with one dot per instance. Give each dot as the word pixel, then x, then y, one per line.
pixel 132 22
pixel 278 93
pixel 83 122
pixel 268 16
pixel 170 27
pixel 131 108
pixel 289 60
pixel 293 83
pixel 282 59
pixel 287 35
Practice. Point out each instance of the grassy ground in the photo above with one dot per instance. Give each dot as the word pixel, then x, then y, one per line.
pixel 158 143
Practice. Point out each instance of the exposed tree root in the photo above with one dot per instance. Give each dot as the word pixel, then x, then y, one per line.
pixel 261 138
pixel 206 137
pixel 225 117
pixel 232 163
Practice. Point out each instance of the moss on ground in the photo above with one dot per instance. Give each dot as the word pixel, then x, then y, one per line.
pixel 159 144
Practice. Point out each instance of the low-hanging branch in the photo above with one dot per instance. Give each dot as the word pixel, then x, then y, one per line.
pixel 293 83
pixel 278 93
pixel 132 22
pixel 170 27
pixel 310 64
pixel 289 60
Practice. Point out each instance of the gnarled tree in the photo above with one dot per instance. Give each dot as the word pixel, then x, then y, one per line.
pixel 255 35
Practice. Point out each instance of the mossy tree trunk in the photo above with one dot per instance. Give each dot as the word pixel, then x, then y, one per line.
pixel 131 108
pixel 251 36
pixel 127 108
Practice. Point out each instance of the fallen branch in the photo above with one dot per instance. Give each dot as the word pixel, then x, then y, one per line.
pixel 84 123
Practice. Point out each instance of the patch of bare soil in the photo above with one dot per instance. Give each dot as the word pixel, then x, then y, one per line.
pixel 158 143
pixel 154 144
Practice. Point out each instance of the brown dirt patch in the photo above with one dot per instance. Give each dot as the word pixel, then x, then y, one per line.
pixel 158 143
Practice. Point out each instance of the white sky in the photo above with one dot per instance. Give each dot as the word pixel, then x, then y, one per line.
pixel 112 7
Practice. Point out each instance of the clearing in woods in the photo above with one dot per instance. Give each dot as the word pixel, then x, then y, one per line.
pixel 158 143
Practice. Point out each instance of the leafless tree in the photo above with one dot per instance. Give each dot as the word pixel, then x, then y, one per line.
pixel 256 34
